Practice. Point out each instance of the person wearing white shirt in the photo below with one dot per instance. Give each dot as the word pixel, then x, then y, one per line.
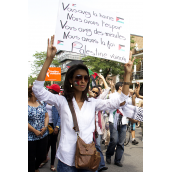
pixel 132 122
pixel 76 87
pixel 117 137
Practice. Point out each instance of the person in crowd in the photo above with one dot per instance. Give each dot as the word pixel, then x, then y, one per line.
pixel 105 114
pixel 54 122
pixel 117 137
pixel 37 132
pixel 138 98
pixel 137 91
pixel 96 94
pixel 132 122
pixel 61 93
pixel 141 123
pixel 106 136
pixel 100 124
pixel 76 86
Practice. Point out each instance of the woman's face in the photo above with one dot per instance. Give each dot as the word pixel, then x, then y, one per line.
pixel 80 80
pixel 96 92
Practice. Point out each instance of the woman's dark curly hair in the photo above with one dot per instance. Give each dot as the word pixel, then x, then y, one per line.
pixel 68 90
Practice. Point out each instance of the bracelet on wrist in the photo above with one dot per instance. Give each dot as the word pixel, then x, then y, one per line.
pixel 126 83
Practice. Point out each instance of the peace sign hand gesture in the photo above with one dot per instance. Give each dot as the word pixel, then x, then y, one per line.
pixel 128 66
pixel 51 50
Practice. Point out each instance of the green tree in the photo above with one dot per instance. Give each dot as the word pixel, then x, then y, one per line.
pixel 103 66
pixel 132 41
pixel 31 80
pixel 39 61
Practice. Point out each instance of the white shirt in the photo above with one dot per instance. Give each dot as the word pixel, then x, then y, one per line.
pixel 124 118
pixel 137 101
pixel 104 94
pixel 49 110
pixel 85 118
pixel 111 112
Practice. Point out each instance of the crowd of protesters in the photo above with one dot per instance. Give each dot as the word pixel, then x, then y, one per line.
pixel 49 116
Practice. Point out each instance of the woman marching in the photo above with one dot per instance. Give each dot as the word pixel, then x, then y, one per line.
pixel 76 87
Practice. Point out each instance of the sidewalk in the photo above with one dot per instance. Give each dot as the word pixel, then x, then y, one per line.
pixel 132 159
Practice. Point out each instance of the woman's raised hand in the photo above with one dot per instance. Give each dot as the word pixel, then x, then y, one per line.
pixel 51 50
pixel 128 66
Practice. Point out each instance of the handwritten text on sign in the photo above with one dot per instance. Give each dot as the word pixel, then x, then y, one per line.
pixel 92 32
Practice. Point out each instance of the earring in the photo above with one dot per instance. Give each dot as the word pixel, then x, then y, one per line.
pixel 71 85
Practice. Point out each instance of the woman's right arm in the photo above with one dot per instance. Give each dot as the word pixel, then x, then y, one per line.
pixel 46 96
pixel 38 88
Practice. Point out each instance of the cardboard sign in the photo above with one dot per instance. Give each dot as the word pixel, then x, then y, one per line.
pixel 92 32
pixel 53 74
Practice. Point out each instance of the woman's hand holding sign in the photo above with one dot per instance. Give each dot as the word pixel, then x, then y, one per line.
pixel 128 70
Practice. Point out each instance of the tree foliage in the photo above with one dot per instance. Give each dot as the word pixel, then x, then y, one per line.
pixel 39 61
pixel 103 66
pixel 31 80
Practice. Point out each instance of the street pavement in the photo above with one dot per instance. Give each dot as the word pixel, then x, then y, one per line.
pixel 132 159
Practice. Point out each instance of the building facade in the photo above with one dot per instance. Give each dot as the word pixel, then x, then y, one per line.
pixel 137 75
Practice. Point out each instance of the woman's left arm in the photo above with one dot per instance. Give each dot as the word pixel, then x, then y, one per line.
pixel 117 101
pixel 128 70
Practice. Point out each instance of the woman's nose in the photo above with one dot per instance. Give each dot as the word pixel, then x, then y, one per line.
pixel 82 79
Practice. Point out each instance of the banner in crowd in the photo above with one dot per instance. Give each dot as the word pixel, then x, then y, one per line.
pixel 92 32
pixel 53 74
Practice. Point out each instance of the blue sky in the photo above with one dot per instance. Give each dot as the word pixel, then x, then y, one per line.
pixel 42 15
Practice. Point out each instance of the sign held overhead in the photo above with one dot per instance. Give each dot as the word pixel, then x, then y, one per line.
pixel 92 32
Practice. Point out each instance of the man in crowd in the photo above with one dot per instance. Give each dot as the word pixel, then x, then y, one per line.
pixel 117 137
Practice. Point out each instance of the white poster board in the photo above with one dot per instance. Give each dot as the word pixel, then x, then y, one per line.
pixel 92 32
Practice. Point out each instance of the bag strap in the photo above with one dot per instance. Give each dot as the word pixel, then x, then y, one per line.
pixel 96 133
pixel 76 128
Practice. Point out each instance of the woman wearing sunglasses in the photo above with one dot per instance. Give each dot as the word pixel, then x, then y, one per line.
pixel 76 86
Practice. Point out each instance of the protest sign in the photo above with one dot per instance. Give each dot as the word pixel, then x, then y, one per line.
pixel 53 74
pixel 92 32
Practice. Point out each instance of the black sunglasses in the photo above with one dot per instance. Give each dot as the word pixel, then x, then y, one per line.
pixel 79 77
pixel 95 92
